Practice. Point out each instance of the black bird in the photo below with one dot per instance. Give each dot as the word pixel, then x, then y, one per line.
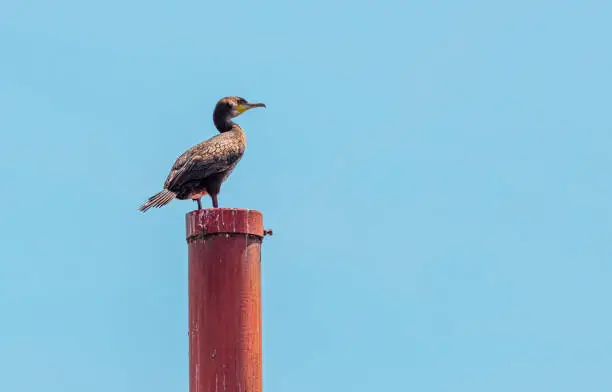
pixel 201 169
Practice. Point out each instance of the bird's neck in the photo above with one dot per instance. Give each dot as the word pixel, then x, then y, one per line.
pixel 223 121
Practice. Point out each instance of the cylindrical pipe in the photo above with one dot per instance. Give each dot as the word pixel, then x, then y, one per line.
pixel 225 300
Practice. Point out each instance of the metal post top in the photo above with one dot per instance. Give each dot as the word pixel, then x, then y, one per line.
pixel 224 220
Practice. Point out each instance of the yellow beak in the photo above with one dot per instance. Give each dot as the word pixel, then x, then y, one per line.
pixel 248 106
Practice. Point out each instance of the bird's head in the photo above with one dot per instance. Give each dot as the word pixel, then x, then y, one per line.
pixel 235 106
pixel 230 107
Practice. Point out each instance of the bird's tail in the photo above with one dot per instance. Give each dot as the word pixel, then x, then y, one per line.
pixel 158 200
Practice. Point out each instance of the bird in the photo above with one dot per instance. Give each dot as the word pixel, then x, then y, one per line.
pixel 204 167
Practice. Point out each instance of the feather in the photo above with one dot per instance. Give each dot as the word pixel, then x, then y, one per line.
pixel 158 200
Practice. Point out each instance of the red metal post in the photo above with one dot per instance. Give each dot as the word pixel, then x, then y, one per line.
pixel 225 300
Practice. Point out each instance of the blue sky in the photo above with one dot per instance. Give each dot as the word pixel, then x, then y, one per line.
pixel 436 175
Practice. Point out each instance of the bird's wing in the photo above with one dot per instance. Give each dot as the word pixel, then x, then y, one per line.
pixel 209 157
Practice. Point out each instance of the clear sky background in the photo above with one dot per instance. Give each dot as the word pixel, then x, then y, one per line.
pixel 436 175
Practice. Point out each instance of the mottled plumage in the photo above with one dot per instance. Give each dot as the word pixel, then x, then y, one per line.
pixel 202 169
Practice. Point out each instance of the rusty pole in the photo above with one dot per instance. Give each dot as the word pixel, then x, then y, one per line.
pixel 224 300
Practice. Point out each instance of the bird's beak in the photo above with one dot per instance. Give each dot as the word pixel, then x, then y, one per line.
pixel 250 105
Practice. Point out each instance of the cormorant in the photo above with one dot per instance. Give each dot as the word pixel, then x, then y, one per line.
pixel 201 169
